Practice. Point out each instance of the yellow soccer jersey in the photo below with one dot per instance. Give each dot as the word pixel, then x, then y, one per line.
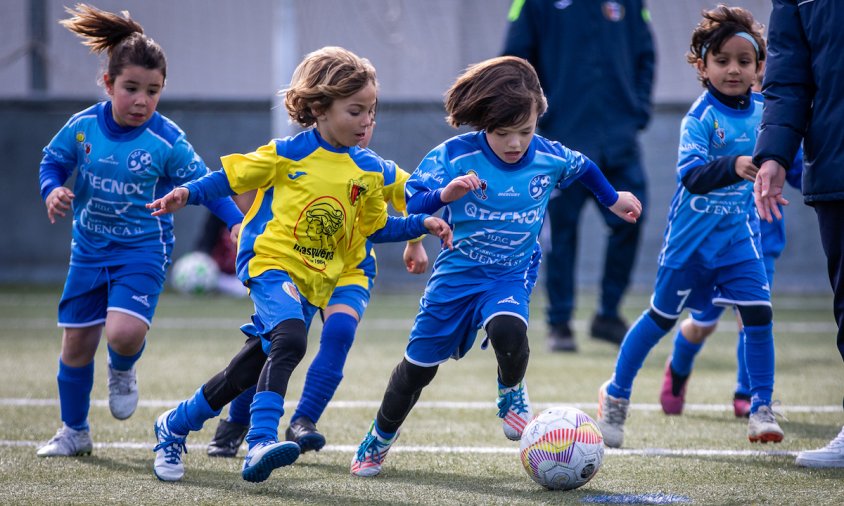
pixel 362 269
pixel 314 204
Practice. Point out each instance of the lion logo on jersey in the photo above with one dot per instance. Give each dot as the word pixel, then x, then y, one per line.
pixel 316 232
pixel 140 161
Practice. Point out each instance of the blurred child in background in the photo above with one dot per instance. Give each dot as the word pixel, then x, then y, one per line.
pixel 711 251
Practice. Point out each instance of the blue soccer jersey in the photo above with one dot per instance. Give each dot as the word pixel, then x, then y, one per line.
pixel 720 227
pixel 119 170
pixel 495 227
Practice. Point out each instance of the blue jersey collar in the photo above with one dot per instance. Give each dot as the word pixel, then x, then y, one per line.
pixel 523 162
pixel 112 130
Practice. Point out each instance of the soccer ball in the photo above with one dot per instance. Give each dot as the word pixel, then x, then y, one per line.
pixel 562 448
pixel 195 273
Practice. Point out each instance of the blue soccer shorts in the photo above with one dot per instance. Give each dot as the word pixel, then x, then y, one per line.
pixel 445 330
pixel 710 315
pixel 91 292
pixel 354 296
pixel 276 299
pixel 698 288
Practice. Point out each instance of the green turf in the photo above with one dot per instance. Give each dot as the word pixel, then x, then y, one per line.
pixel 193 338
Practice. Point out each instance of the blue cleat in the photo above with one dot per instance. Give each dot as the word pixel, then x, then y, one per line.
pixel 266 456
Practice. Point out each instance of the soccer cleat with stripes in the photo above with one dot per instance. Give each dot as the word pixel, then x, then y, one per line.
pixel 612 413
pixel 267 456
pixel 67 443
pixel 168 464
pixel 371 453
pixel 514 409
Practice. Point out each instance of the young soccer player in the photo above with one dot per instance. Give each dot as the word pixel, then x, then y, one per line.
pixel 124 153
pixel 316 191
pixel 698 327
pixel 711 252
pixel 341 316
pixel 494 184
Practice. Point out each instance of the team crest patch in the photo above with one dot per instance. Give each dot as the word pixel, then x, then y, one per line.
pixel 613 11
pixel 480 192
pixel 539 185
pixel 356 189
pixel 290 289
pixel 140 161
pixel 719 139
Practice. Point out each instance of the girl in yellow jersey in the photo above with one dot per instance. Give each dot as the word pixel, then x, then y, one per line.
pixel 345 309
pixel 317 192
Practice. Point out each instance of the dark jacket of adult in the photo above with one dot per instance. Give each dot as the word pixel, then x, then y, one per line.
pixel 595 60
pixel 804 94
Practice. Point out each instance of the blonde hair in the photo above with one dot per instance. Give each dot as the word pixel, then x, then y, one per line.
pixel 122 38
pixel 323 76
pixel 499 92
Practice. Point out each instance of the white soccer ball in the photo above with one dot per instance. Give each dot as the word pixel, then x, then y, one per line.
pixel 195 273
pixel 562 448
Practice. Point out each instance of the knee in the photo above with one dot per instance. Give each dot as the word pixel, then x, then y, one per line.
pixel 339 331
pixel 409 378
pixel 662 322
pixel 508 335
pixel 756 316
pixel 695 333
pixel 289 338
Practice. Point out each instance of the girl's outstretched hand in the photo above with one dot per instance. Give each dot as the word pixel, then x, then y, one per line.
pixel 170 203
pixel 460 186
pixel 438 227
pixel 627 207
pixel 58 202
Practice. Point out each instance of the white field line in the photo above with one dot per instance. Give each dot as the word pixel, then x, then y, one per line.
pixel 290 404
pixel 398 324
pixel 510 450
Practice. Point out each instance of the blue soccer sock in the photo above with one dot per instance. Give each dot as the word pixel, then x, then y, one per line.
pixel 239 407
pixel 742 378
pixel 123 362
pixel 75 385
pixel 191 414
pixel 382 434
pixel 683 356
pixel 267 409
pixel 637 344
pixel 326 370
pixel 759 357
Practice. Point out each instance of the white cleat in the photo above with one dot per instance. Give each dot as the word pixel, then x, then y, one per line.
pixel 612 413
pixel 67 443
pixel 122 392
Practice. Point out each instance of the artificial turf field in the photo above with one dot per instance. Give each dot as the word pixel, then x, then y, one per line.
pixel 452 450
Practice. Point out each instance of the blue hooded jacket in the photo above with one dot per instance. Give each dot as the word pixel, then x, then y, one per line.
pixel 595 60
pixel 804 94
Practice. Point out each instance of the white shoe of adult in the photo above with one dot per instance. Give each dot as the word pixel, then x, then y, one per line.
pixel 831 455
